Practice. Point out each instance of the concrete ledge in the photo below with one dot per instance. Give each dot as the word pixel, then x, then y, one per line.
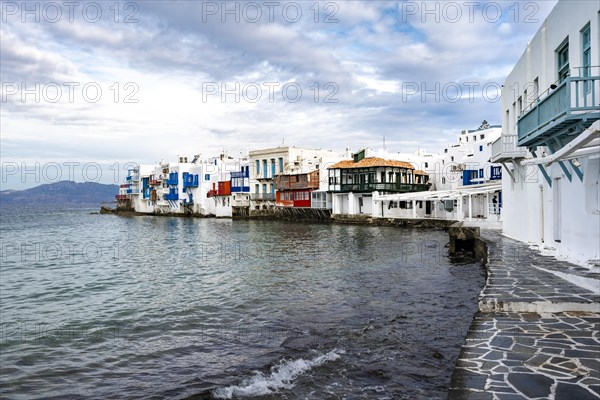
pixel 495 305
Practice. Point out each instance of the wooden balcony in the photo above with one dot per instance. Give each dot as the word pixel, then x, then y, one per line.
pixel 384 187
pixel 308 181
pixel 572 106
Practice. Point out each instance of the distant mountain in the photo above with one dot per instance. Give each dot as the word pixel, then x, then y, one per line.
pixel 64 192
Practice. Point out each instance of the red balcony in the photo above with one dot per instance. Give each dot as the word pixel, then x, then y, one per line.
pixel 154 182
pixel 122 197
pixel 124 185
pixel 220 189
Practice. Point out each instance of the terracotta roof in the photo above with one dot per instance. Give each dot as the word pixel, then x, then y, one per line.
pixel 371 162
pixel 419 172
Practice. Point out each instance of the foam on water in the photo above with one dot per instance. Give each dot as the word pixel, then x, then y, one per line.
pixel 281 377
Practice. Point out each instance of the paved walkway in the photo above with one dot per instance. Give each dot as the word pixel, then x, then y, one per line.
pixel 536 335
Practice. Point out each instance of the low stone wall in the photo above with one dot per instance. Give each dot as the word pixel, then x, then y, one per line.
pixel 398 222
pixel 466 240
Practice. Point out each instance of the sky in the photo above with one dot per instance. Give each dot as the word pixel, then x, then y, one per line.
pixel 90 87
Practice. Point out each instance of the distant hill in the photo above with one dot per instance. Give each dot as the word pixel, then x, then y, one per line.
pixel 63 192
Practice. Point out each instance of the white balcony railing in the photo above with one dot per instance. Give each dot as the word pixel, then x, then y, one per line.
pixel 505 147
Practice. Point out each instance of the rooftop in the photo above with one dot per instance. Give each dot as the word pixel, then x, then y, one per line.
pixel 371 162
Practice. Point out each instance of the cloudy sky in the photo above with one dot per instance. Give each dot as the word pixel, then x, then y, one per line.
pixel 107 82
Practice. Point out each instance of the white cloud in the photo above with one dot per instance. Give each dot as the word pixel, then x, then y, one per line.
pixel 171 55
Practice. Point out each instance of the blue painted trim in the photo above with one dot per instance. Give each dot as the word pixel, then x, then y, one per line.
pixel 546 176
pixel 562 164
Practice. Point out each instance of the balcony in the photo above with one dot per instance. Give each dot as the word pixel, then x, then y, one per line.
pixel 173 179
pixel 572 105
pixel 505 148
pixel 222 188
pixel 309 181
pixel 154 182
pixel 263 196
pixel 240 174
pixel 172 196
pixel 121 197
pixel 190 180
pixel 384 187
pixel 240 189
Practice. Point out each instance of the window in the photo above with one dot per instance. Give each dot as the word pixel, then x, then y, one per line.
pixel 480 148
pixel 586 57
pixel 482 136
pixel 443 180
pixel 257 172
pixel 562 61
pixel 474 138
pixel 207 177
pixel 452 158
pixel 467 138
pixel 445 150
pixel 426 165
pixel 280 164
pixel 520 101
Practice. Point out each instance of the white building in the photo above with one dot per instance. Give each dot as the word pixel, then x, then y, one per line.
pixel 266 164
pixel 354 182
pixel 182 187
pixel 464 184
pixel 551 158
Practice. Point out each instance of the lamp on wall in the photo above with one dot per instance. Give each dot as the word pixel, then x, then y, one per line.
pixel 553 86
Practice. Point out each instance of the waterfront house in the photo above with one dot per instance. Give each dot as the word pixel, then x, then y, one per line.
pixel 353 182
pixel 240 190
pixel 294 190
pixel 182 187
pixel 465 185
pixel 550 136
pixel 284 166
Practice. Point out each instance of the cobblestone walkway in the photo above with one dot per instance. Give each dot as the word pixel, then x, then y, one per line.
pixel 536 336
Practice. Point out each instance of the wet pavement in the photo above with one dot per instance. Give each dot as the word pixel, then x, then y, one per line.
pixel 536 335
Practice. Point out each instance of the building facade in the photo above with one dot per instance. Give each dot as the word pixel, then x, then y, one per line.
pixel 549 146
pixel 288 163
pixel 353 182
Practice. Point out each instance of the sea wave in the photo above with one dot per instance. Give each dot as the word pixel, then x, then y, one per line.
pixel 281 377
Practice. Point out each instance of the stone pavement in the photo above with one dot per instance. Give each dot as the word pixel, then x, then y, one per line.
pixel 536 336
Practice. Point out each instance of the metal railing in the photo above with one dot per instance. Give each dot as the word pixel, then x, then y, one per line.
pixel 387 187
pixel 263 196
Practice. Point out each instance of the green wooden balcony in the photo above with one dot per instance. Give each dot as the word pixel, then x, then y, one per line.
pixel 384 187
pixel 573 102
